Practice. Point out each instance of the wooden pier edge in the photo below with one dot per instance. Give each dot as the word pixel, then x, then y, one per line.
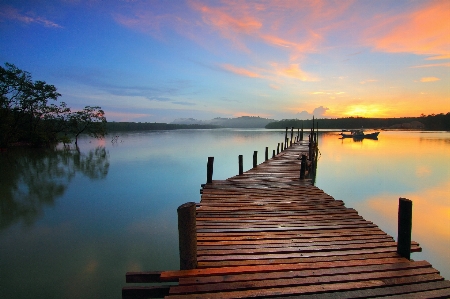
pixel 268 232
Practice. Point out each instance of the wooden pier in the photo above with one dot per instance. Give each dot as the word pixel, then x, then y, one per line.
pixel 266 233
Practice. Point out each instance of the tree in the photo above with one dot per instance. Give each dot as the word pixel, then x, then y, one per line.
pixel 24 107
pixel 26 116
pixel 90 120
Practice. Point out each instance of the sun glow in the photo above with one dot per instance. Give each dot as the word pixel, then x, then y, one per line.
pixel 365 111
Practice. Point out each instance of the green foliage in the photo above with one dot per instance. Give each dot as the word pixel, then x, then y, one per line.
pixel 90 120
pixel 28 117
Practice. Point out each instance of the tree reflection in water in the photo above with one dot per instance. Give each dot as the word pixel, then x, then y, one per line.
pixel 33 179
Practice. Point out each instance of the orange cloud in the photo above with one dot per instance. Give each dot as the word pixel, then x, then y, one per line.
pixel 293 71
pixel 429 79
pixel 447 64
pixel 240 71
pixel 447 56
pixel 424 32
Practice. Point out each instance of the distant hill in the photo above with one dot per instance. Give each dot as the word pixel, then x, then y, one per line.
pixel 238 122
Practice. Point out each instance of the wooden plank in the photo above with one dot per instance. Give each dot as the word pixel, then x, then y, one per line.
pixel 298 281
pixel 371 266
pixel 405 291
pixel 171 275
pixel 305 289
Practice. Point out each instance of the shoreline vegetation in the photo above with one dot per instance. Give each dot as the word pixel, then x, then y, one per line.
pixel 434 122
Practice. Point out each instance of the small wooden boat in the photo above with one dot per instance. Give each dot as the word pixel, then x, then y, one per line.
pixel 359 134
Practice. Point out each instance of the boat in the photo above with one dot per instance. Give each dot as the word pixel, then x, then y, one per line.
pixel 359 134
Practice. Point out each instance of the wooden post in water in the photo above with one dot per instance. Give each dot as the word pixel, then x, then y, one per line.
pixel 209 170
pixel 266 156
pixel 301 133
pixel 404 227
pixel 241 164
pixel 187 235
pixel 285 139
pixel 303 167
pixel 292 134
pixel 255 158
pixel 273 155
pixel 282 147
pixel 278 148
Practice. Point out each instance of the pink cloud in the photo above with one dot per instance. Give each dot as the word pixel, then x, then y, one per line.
pixel 293 71
pixel 8 12
pixel 424 31
pixel 240 71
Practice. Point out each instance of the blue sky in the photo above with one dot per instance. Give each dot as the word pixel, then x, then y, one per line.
pixel 157 61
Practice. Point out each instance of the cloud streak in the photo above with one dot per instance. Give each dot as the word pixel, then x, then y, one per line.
pixel 423 31
pixel 8 12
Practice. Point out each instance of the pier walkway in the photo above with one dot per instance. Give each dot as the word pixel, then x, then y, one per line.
pixel 268 234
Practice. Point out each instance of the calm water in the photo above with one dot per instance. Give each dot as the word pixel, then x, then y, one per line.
pixel 73 223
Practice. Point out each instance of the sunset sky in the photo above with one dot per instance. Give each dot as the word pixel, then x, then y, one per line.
pixel 157 61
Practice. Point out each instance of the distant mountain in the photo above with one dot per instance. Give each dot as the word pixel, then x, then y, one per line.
pixel 238 122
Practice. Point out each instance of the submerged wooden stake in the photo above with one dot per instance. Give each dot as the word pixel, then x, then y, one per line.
pixel 404 227
pixel 209 170
pixel 241 164
pixel 187 235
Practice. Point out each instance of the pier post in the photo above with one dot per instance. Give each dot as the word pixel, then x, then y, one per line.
pixel 278 148
pixel 282 147
pixel 255 158
pixel 292 135
pixel 303 167
pixel 285 139
pixel 273 155
pixel 267 154
pixel 404 227
pixel 301 133
pixel 187 235
pixel 209 170
pixel 241 164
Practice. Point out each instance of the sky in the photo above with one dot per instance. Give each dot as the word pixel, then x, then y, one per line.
pixel 156 61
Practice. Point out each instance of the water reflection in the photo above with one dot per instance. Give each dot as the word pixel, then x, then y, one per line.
pixel 371 175
pixel 33 179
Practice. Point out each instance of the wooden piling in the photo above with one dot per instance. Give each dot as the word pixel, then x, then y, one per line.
pixel 404 227
pixel 278 148
pixel 266 156
pixel 292 135
pixel 209 170
pixel 255 158
pixel 241 164
pixel 285 139
pixel 187 235
pixel 273 154
pixel 303 167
